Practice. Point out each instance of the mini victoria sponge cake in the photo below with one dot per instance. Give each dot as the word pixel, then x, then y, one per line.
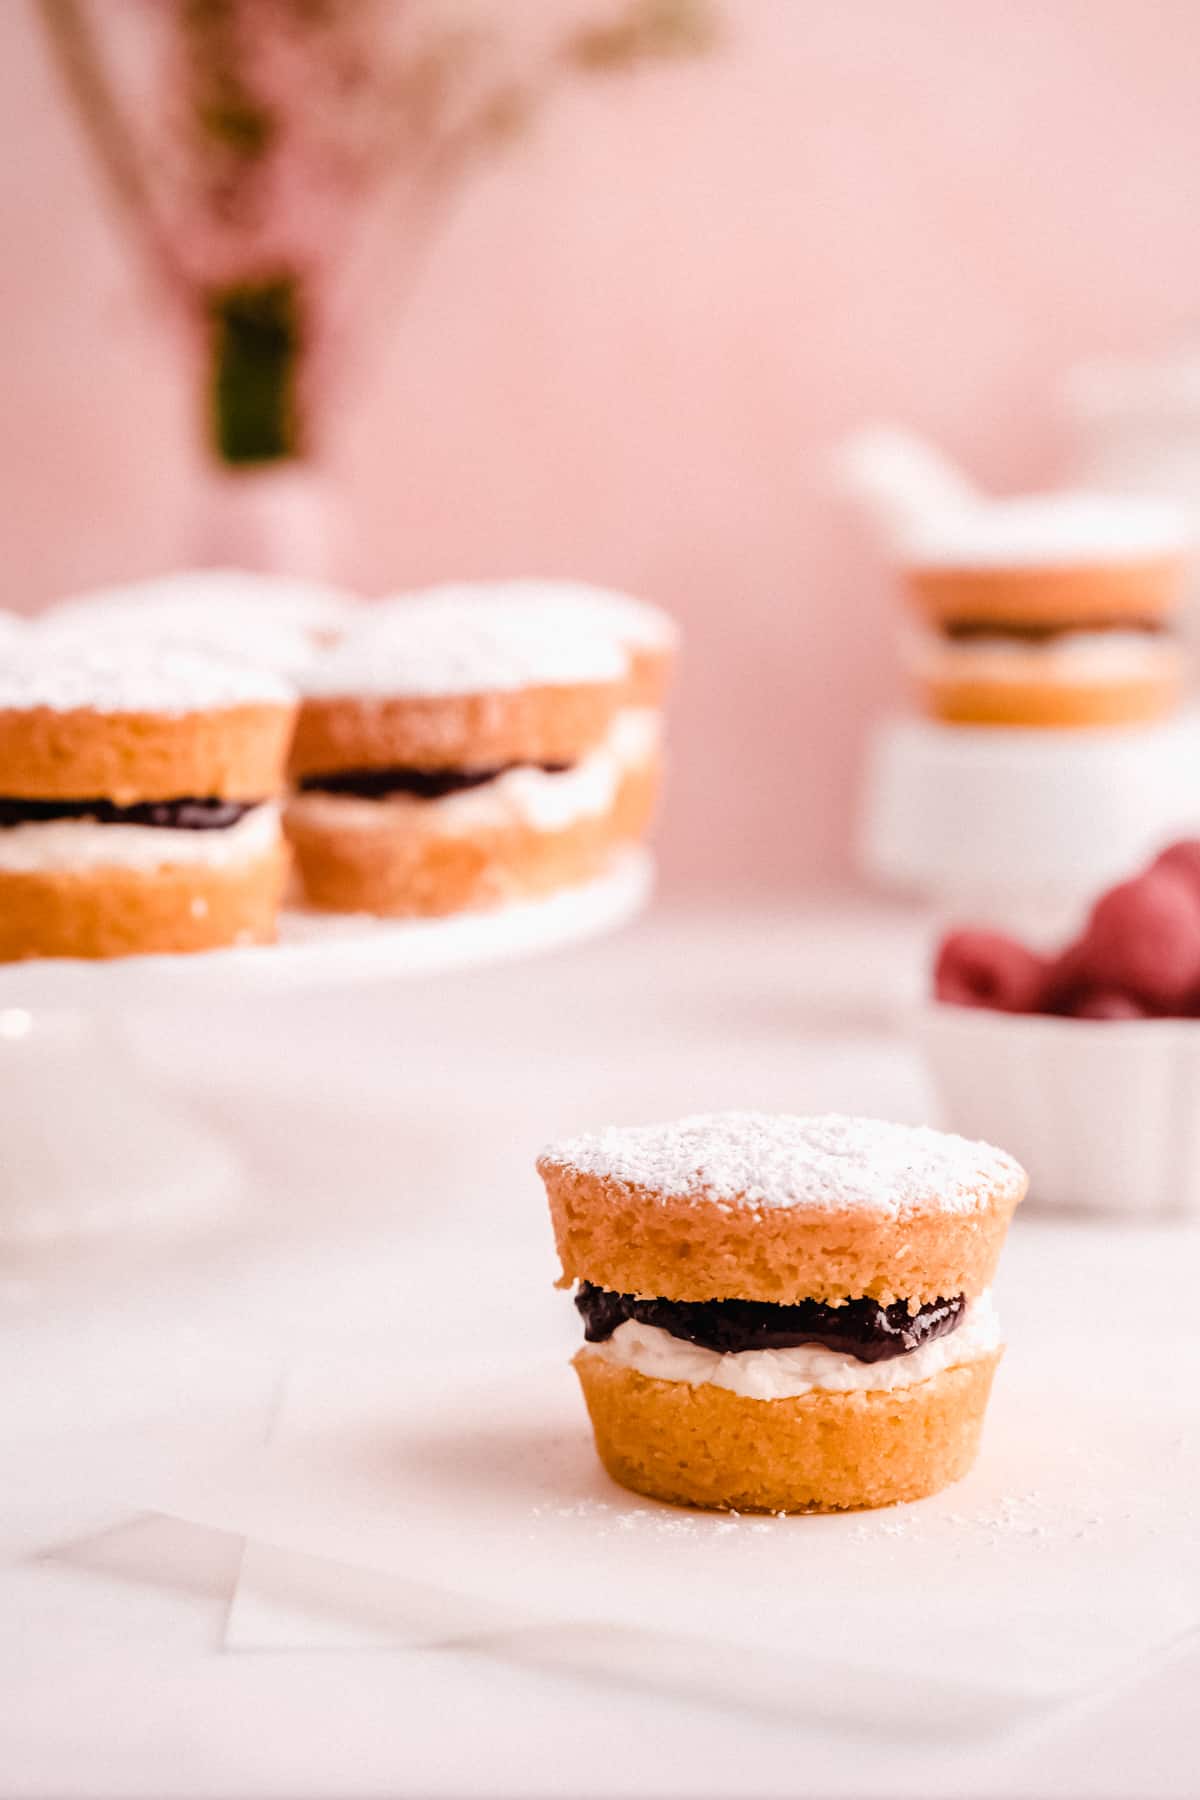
pixel 139 806
pixel 783 1314
pixel 451 758
pixel 1049 611
pixel 648 637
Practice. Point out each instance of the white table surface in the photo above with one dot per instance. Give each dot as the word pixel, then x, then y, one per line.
pixel 390 1138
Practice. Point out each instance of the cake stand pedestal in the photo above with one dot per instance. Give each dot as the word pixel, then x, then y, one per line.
pixel 1023 828
pixel 91 1141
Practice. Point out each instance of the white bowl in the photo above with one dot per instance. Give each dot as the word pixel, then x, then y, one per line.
pixel 1104 1114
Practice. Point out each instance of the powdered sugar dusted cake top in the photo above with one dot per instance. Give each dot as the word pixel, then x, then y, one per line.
pixel 634 622
pixel 448 641
pixel 274 621
pixel 1055 530
pixel 830 1163
pixel 283 599
pixel 13 630
pixel 133 679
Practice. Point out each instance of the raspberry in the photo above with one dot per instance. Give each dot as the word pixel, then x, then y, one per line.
pixel 1182 859
pixel 1143 939
pixel 985 968
pixel 1109 1003
pixel 1067 979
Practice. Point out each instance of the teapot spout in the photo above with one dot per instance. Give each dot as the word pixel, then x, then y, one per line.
pixel 898 479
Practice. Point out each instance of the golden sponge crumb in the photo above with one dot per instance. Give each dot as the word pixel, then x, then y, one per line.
pixel 822 1452
pixel 98 913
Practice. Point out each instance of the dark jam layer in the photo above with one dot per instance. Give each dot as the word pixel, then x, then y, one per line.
pixel 422 784
pixel 168 815
pixel 963 630
pixel 860 1328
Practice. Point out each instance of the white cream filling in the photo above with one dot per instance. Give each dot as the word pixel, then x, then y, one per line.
pixel 535 798
pixel 523 796
pixel 808 1368
pixel 636 736
pixel 528 797
pixel 66 845
pixel 1085 656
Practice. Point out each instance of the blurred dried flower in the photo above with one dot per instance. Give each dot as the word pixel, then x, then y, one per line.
pixel 645 29
pixel 246 139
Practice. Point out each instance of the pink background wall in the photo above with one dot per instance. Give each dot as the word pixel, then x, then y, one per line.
pixel 640 332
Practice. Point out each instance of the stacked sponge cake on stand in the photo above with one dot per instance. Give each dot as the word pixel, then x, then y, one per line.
pixel 1050 744
pixel 456 752
pixel 466 748
pixel 217 785
pixel 1054 612
pixel 139 803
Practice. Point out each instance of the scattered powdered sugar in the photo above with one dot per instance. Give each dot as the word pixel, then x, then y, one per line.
pixel 127 678
pixel 1047 529
pixel 831 1163
pixel 1027 1522
pixel 468 640
pixel 605 1518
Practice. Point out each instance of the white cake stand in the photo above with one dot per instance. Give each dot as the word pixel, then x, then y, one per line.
pixel 90 1144
pixel 1023 828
